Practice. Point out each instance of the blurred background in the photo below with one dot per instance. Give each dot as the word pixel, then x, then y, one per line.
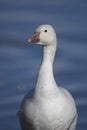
pixel 19 61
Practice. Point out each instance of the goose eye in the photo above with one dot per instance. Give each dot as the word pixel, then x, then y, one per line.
pixel 45 30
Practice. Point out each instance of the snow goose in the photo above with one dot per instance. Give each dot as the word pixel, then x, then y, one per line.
pixel 47 106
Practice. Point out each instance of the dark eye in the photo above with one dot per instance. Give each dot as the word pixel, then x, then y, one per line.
pixel 45 30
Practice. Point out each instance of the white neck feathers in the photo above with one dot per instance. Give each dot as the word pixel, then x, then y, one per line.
pixel 46 83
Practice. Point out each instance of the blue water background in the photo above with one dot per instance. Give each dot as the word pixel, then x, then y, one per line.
pixel 19 61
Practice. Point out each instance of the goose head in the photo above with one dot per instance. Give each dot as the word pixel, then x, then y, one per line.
pixel 44 35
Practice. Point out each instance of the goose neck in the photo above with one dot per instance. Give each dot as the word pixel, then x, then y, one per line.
pixel 46 84
pixel 48 54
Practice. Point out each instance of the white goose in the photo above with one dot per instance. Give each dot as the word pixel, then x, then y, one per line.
pixel 47 107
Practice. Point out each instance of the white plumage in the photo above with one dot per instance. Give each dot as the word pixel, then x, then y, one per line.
pixel 47 107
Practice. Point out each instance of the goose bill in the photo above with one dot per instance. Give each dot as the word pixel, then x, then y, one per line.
pixel 34 37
